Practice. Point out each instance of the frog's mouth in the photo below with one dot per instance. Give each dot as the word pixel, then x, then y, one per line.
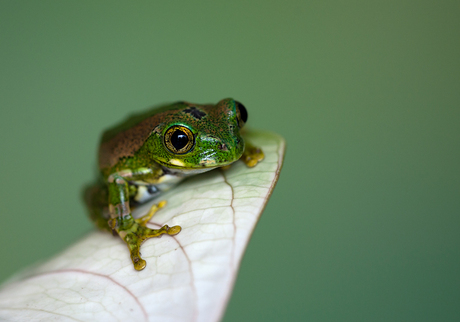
pixel 167 169
pixel 177 167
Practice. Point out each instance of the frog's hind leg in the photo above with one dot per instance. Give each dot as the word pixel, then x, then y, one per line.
pixel 95 197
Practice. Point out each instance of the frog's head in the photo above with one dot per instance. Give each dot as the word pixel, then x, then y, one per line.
pixel 195 138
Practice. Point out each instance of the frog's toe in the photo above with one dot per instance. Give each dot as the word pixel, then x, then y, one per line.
pixel 145 219
pixel 174 230
pixel 252 156
pixel 139 263
pixel 134 244
pixel 163 230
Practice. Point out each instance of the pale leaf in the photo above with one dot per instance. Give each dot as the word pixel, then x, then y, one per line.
pixel 189 277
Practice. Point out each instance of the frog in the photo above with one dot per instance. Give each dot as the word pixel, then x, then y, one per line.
pixel 152 152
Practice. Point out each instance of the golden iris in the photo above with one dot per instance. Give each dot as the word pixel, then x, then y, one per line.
pixel 179 139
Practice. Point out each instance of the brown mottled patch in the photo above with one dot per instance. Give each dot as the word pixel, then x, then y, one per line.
pixel 127 142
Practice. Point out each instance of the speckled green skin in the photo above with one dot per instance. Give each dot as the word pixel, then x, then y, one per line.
pixel 135 152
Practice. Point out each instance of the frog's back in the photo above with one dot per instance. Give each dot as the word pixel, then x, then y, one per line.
pixel 124 139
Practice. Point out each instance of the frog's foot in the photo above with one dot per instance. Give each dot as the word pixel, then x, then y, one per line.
pixel 145 219
pixel 137 234
pixel 252 155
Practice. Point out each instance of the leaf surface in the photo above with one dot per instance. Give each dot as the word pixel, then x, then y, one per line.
pixel 189 277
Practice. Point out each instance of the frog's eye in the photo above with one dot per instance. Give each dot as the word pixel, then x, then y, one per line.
pixel 241 113
pixel 179 139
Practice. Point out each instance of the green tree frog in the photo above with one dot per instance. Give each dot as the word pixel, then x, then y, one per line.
pixel 151 152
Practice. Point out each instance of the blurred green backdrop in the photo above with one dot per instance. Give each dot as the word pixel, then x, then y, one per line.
pixel 364 224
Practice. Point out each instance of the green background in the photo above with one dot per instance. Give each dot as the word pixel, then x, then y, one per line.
pixel 364 223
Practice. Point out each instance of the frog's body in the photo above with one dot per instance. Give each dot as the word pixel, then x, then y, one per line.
pixel 152 152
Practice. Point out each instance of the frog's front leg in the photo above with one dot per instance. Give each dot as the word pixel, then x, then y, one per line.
pixel 252 155
pixel 132 231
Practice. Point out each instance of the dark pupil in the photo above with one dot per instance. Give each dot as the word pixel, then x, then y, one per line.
pixel 179 139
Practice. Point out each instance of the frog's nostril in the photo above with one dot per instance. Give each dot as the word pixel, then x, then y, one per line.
pixel 223 147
